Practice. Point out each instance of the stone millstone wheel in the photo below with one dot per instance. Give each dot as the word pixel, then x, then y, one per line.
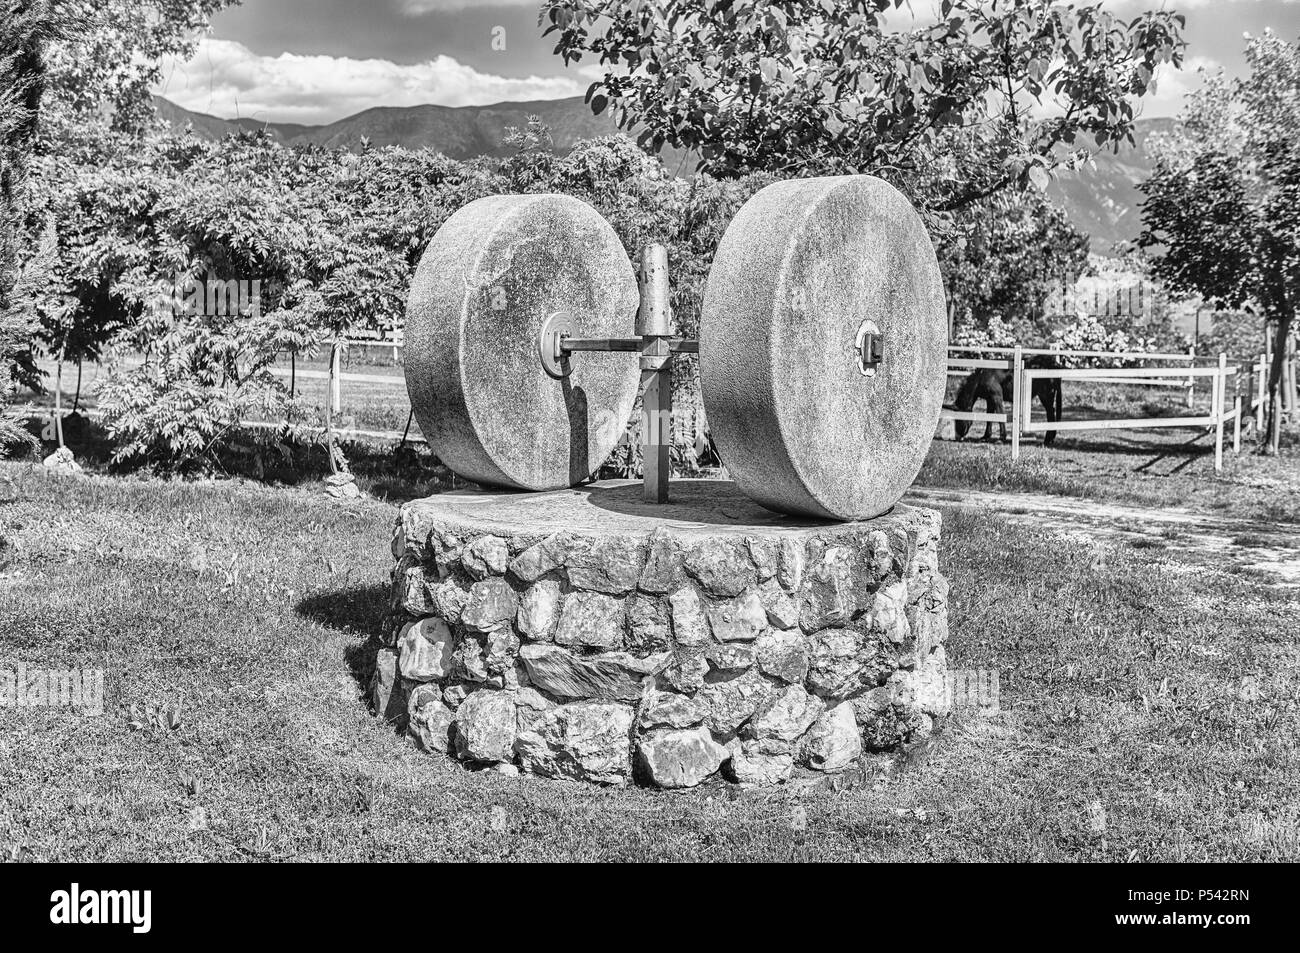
pixel 806 268
pixel 488 281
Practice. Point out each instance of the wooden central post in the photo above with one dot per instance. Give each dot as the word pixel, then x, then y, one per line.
pixel 654 326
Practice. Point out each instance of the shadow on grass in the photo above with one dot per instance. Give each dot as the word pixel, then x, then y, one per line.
pixel 397 473
pixel 359 611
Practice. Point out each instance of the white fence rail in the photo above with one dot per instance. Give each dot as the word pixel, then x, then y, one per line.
pixel 1019 418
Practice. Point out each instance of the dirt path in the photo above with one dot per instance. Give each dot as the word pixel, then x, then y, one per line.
pixel 1271 550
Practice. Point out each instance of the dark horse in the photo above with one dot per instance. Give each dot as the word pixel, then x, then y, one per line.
pixel 994 388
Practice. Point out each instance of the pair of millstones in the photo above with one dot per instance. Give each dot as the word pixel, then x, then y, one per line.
pixel 822 344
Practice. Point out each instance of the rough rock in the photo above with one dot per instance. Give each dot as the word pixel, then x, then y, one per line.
pixel 888 715
pixel 765 554
pixel 485 727
pixel 690 625
pixel 889 613
pixel 542 558
pixel 585 741
pixel 670 710
pixel 612 675
pixel 760 762
pixel 539 610
pixel 425 650
pixel 835 663
pixel 412 592
pixel 731 657
pixel 530 705
pixel 679 758
pixel 649 626
pixel 449 600
pixel 741 619
pixel 61 461
pixel 453 695
pixel 468 659
pixel 833 743
pixel 500 649
pixel 590 620
pixel 786 715
pixel 783 655
pixel 928 630
pixel 790 573
pixel 492 603
pixel 782 611
pixel 882 554
pixel 733 701
pixel 612 565
pixel 687 670
pixel 387 694
pixel 485 556
pixel 830 599
pixel 663 566
pixel 430 719
pixel 722 566
pixel 446 549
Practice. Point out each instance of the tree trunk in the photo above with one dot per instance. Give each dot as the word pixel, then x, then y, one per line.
pixel 1273 426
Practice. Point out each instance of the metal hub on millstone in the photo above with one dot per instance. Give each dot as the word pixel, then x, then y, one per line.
pixel 491 278
pixel 823 342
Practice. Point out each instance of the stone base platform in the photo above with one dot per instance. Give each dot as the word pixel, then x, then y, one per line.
pixel 585 634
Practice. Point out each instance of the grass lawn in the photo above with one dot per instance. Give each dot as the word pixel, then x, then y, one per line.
pixel 1150 467
pixel 1149 707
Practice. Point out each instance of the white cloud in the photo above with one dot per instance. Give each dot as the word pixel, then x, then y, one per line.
pixel 417 8
pixel 227 79
pixel 1173 85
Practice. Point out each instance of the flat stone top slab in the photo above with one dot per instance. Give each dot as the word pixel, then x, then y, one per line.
pixel 616 508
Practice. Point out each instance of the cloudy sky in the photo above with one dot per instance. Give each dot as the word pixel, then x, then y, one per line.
pixel 315 61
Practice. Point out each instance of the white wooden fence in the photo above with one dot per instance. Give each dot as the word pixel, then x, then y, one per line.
pixel 1019 419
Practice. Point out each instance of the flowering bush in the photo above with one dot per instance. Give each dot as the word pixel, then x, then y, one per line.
pixel 997 334
pixel 1088 333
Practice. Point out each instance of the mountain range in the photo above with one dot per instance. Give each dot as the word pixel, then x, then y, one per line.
pixel 1102 200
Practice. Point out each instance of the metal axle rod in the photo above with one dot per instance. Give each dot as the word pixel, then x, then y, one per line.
pixel 655 343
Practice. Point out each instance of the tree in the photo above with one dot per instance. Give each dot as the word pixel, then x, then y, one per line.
pixel 1222 213
pixel 822 86
pixel 27 29
pixel 1004 256
pixel 102 74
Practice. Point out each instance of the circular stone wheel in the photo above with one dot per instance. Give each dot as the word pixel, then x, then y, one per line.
pixel 488 281
pixel 801 267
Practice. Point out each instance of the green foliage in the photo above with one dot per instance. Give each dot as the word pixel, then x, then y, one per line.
pixel 26 30
pixel 1222 215
pixel 101 74
pixel 1234 333
pixel 1002 258
pixel 825 86
pixel 328 237
pixel 332 238
pixel 1088 333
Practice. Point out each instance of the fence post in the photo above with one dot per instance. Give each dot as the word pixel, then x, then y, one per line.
pixel 1191 381
pixel 1289 378
pixel 1236 424
pixel 1261 372
pixel 1017 385
pixel 335 394
pixel 1220 379
pixel 58 399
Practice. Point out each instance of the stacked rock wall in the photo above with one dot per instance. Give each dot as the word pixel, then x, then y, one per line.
pixel 663 652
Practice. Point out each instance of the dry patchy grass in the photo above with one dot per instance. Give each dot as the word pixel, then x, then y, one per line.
pixel 1149 710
